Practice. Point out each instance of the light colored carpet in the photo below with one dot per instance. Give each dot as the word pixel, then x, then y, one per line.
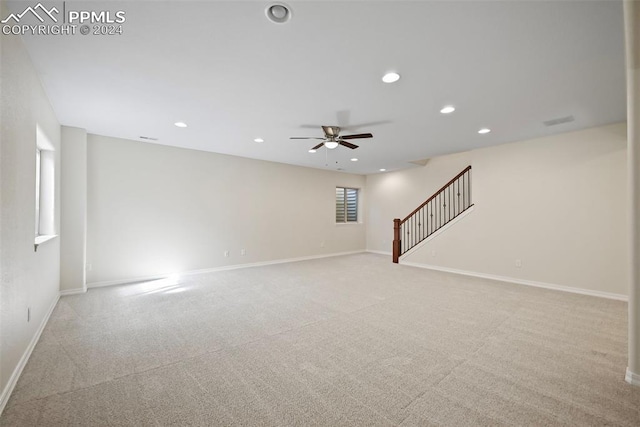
pixel 354 340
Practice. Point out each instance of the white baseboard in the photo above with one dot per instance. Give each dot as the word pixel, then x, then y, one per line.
pixel 8 389
pixel 216 269
pixel 72 292
pixel 379 252
pixel 632 378
pixel 506 279
pixel 126 281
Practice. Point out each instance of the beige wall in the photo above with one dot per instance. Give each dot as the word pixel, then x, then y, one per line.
pixel 28 279
pixel 155 210
pixel 558 204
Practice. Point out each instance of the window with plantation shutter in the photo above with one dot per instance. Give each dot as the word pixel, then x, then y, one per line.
pixel 346 204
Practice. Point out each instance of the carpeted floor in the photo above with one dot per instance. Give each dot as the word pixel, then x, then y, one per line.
pixel 350 341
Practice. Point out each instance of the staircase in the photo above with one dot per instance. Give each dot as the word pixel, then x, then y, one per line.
pixel 445 205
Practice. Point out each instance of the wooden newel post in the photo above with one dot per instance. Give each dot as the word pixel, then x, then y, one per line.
pixel 396 240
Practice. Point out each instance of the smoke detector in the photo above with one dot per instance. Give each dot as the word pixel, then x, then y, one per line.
pixel 278 13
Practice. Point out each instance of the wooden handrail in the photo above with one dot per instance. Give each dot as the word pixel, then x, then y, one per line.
pixel 468 168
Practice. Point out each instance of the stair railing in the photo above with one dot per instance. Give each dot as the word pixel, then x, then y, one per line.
pixel 437 211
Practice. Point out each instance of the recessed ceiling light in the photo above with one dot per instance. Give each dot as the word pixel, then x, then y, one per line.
pixel 312 151
pixel 391 77
pixel 484 130
pixel 181 124
pixel 448 109
pixel 278 13
pixel 383 170
pixel 354 160
pixel 258 140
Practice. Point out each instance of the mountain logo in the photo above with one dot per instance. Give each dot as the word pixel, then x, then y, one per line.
pixel 38 11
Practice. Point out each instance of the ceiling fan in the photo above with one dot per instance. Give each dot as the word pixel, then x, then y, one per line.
pixel 332 138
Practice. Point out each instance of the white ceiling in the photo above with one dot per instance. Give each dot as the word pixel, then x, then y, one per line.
pixel 233 76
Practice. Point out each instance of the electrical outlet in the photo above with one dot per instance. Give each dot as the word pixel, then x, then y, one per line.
pixel 226 254
pixel 89 267
pixel 322 244
pixel 519 263
pixel 434 253
pixel 243 252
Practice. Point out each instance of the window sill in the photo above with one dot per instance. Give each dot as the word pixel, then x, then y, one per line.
pixel 340 224
pixel 42 239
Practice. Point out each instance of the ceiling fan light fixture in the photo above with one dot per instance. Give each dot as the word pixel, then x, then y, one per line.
pixel 331 144
pixel 391 77
pixel 278 13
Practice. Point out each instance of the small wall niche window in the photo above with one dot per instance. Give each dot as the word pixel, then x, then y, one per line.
pixel 45 187
pixel 38 168
pixel 346 205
